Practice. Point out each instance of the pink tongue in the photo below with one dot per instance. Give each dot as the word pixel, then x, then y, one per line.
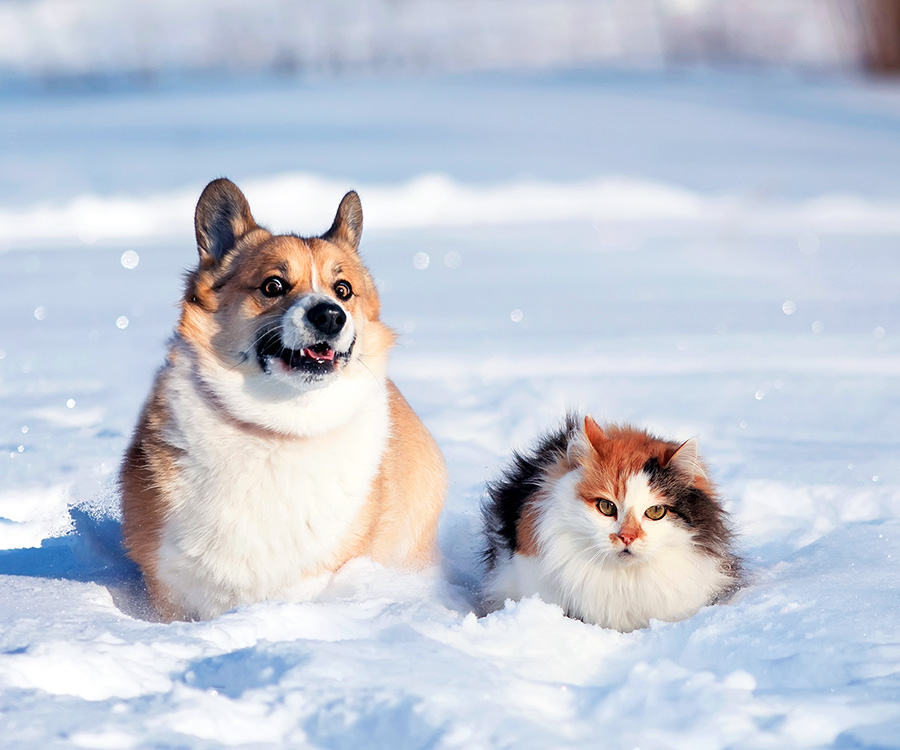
pixel 327 355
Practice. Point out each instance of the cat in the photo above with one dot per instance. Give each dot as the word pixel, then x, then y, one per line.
pixel 616 526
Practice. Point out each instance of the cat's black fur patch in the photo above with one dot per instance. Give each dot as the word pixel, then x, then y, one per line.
pixel 507 495
pixel 697 509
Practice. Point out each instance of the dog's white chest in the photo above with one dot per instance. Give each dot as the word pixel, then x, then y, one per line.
pixel 254 517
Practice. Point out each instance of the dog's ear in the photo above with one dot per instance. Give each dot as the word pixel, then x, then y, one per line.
pixel 221 219
pixel 347 226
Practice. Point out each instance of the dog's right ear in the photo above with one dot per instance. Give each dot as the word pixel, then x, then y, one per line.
pixel 221 219
pixel 347 226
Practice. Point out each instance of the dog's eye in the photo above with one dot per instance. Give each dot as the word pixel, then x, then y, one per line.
pixel 343 290
pixel 606 507
pixel 273 287
pixel 655 512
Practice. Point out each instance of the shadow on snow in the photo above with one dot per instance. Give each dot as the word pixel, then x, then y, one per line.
pixel 92 552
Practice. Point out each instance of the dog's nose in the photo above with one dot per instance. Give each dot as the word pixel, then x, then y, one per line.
pixel 327 318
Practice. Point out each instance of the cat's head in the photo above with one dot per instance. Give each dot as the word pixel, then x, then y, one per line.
pixel 626 497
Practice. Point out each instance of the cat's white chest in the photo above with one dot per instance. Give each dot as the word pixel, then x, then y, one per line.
pixel 625 598
pixel 672 586
pixel 253 517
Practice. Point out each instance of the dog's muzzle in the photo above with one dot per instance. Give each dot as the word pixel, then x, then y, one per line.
pixel 315 336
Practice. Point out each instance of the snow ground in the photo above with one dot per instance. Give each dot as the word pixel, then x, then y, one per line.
pixel 702 255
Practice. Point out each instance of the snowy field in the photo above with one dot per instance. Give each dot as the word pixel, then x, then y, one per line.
pixel 710 255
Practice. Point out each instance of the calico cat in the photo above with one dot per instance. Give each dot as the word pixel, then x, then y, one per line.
pixel 616 526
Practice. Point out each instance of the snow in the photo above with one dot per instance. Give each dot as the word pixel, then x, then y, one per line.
pixel 710 255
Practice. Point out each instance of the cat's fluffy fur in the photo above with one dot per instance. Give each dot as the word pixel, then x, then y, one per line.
pixel 547 532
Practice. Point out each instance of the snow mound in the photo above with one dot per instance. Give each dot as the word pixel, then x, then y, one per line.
pixel 439 201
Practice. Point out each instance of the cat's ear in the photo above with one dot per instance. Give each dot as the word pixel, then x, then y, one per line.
pixel 593 432
pixel 583 441
pixel 686 458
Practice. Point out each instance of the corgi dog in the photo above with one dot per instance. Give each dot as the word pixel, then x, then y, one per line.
pixel 616 526
pixel 273 448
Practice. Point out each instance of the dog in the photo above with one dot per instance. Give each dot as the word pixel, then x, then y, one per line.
pixel 273 447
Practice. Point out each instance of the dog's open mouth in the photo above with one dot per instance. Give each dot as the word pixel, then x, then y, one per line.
pixel 318 359
pixel 321 353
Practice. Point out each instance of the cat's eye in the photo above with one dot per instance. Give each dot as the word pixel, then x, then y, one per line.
pixel 655 512
pixel 274 286
pixel 343 290
pixel 606 507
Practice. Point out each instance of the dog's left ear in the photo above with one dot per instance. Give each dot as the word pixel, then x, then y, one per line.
pixel 221 219
pixel 347 226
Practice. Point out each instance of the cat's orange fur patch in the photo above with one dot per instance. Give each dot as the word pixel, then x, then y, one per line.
pixel 618 454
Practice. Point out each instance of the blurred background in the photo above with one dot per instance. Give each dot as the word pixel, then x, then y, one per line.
pixel 92 42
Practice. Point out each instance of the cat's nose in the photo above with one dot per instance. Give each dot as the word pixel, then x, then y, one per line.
pixel 627 537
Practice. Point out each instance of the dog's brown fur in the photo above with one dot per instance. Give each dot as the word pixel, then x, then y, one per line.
pixel 221 308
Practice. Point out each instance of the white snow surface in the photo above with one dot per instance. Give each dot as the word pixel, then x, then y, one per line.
pixel 702 255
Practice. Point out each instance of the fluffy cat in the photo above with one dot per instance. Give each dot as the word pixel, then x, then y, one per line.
pixel 616 526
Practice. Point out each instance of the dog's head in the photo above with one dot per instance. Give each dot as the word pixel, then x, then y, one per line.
pixel 276 316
